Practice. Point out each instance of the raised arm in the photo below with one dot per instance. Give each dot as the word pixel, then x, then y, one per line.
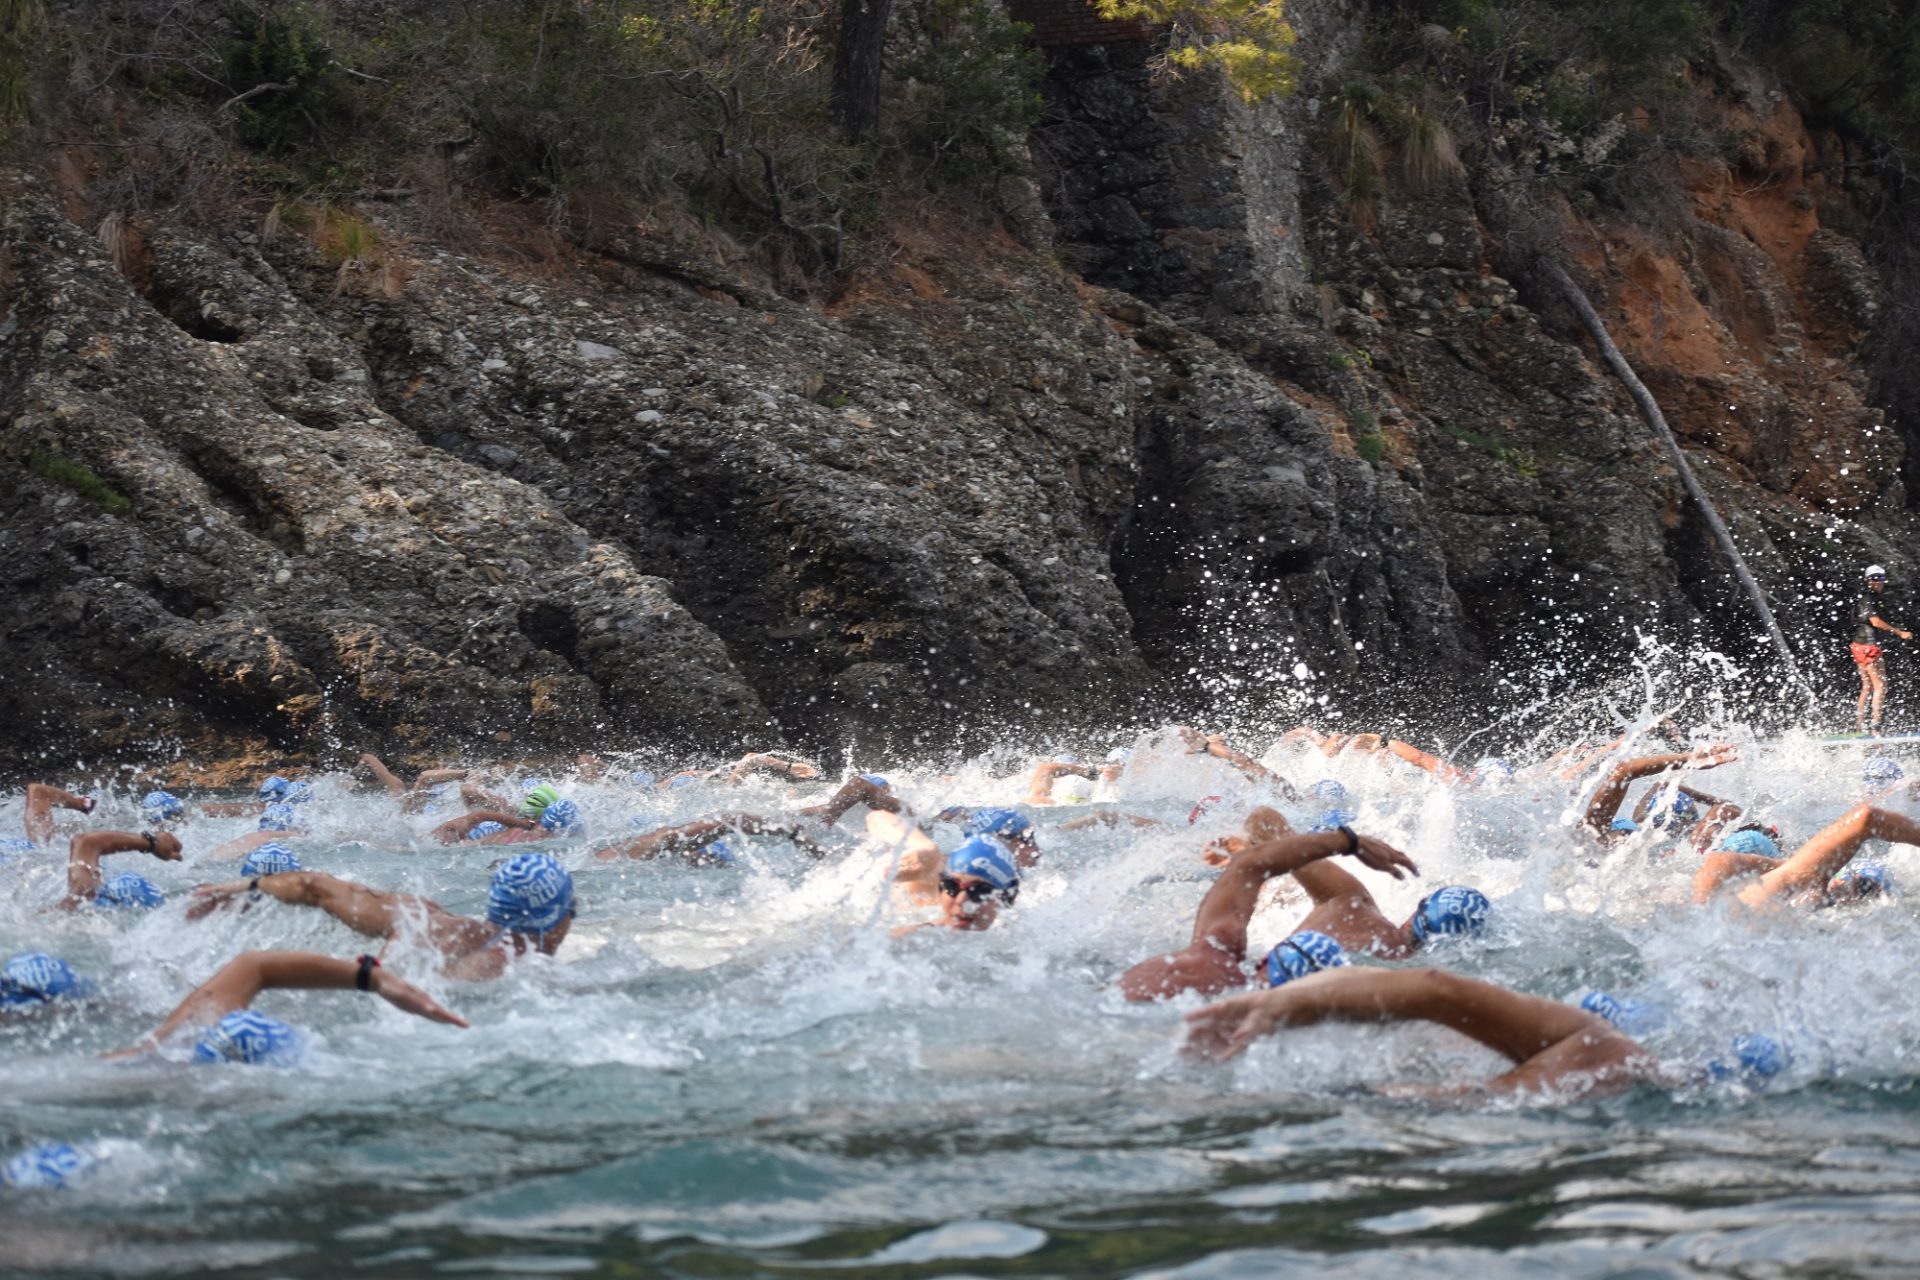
pixel 1821 858
pixel 1606 801
pixel 1040 782
pixel 1425 760
pixel 85 851
pixel 42 800
pixel 386 777
pixel 241 980
pixel 1220 749
pixel 859 789
pixel 1223 915
pixel 767 762
pixel 364 910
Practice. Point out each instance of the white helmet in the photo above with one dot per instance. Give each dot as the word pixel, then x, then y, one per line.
pixel 1876 571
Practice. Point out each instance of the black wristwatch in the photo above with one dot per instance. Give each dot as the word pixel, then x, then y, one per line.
pixel 1353 840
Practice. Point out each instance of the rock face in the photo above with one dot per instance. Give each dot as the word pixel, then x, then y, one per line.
pixel 437 502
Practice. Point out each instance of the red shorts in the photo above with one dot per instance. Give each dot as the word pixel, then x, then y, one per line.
pixel 1865 655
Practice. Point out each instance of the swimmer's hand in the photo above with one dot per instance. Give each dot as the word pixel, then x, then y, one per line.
pixel 401 994
pixel 209 898
pixel 1714 756
pixel 1382 856
pixel 1220 852
pixel 1225 1028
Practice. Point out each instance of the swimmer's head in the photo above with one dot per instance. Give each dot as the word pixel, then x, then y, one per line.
pixel 1492 769
pixel 985 858
pixel 129 889
pixel 274 788
pixel 1674 813
pixel 36 978
pixel 561 816
pixel 481 830
pixel 1331 792
pixel 1450 912
pixel 1632 1016
pixel 1333 820
pixel 1756 1059
pixel 1881 771
pixel 644 778
pixel 537 799
pixel 279 817
pixel 270 859
pixel 1307 951
pixel 299 792
pixel 531 893
pixel 1862 880
pixel 162 806
pixel 1120 755
pixel 1625 826
pixel 1749 840
pixel 46 1166
pixel 251 1038
pixel 877 779
pixel 999 822
pixel 717 851
pixel 1072 791
pixel 681 780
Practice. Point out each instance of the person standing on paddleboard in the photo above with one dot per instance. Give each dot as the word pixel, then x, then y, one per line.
pixel 1866 649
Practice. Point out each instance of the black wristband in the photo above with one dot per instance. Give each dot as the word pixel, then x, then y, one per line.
pixel 253 886
pixel 148 837
pixel 363 980
pixel 1353 840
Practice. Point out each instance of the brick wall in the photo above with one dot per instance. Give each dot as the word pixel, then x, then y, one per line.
pixel 1069 22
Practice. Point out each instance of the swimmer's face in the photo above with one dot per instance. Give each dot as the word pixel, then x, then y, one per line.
pixel 967 902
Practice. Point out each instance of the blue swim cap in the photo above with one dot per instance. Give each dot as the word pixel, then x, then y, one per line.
pixel 1867 878
pixel 998 822
pixel 270 860
pixel 14 844
pixel 1757 1059
pixel 1491 767
pixel 987 858
pixel 481 830
pixel 878 780
pixel 38 978
pixel 1119 755
pixel 681 780
pixel 561 816
pixel 129 889
pixel 1881 770
pixel 299 792
pixel 644 778
pixel 1632 1016
pixel 1305 952
pixel 279 817
pixel 162 806
pixel 1749 841
pixel 1453 910
pixel 1626 825
pixel 251 1038
pixel 1679 812
pixel 1330 791
pixel 531 893
pixel 46 1166
pixel 1333 820
pixel 718 851
pixel 274 788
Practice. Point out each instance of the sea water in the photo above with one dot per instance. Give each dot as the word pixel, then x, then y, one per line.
pixel 733 1071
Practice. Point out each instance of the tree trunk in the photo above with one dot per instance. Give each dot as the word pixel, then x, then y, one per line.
pixel 856 66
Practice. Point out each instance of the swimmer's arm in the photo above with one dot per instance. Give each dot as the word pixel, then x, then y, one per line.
pixel 1822 858
pixel 1109 818
pixel 477 798
pixel 455 829
pixel 1425 760
pixel 382 775
pixel 1040 781
pixel 1224 912
pixel 1220 749
pixel 434 777
pixel 42 800
pixel 85 851
pixel 1606 801
pixel 232 808
pixel 758 760
pixel 855 790
pixel 754 825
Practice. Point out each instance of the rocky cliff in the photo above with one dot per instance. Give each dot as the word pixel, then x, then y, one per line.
pixel 1168 430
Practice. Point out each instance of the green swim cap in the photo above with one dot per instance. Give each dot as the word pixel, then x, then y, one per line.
pixel 537 801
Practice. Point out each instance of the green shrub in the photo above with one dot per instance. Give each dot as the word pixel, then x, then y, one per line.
pixel 290 47
pixel 973 92
pixel 81 479
pixel 1371 447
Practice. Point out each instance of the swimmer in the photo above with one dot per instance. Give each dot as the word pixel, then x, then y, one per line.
pixel 1605 805
pixel 1047 772
pixel 34 982
pixel 530 907
pixel 705 840
pixel 745 767
pixel 214 1003
pixel 1555 1048
pixel 85 881
pixel 1345 910
pixel 973 883
pixel 417 796
pixel 1812 875
pixel 42 800
pixel 543 815
pixel 1012 829
pixel 1215 960
pixel 277 821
